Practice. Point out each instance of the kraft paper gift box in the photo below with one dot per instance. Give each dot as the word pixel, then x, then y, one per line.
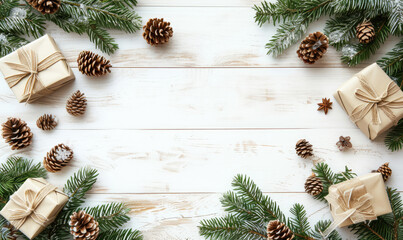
pixel 357 200
pixel 34 206
pixel 372 100
pixel 36 69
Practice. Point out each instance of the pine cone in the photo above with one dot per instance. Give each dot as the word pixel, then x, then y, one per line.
pixel 313 47
pixel 58 157
pixel 45 6
pixel 46 122
pixel 83 226
pixel 277 230
pixel 365 32
pixel 385 170
pixel 344 143
pixel 303 148
pixel 92 64
pixel 16 133
pixel 77 104
pixel 313 185
pixel 156 31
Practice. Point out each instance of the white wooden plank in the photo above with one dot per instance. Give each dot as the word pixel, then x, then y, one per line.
pixel 203 37
pixel 177 216
pixel 194 98
pixel 206 161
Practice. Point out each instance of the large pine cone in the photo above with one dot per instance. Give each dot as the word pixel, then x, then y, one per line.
pixel 92 64
pixel 77 104
pixel 365 32
pixel 157 31
pixel 45 6
pixel 46 122
pixel 385 170
pixel 277 230
pixel 313 47
pixel 303 148
pixel 58 157
pixel 313 185
pixel 83 226
pixel 17 133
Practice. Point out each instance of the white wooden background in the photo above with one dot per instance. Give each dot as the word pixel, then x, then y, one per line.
pixel 171 126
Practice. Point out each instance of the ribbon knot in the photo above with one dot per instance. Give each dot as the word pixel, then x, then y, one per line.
pixel 374 102
pixel 29 67
pixel 27 205
pixel 350 201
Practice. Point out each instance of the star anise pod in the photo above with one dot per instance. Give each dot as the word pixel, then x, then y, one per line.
pixel 325 105
pixel 344 143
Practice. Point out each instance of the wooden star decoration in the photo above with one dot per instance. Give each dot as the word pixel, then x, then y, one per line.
pixel 325 105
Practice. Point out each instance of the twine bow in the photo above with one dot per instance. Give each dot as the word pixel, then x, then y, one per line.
pixel 27 205
pixel 29 67
pixel 351 201
pixel 374 102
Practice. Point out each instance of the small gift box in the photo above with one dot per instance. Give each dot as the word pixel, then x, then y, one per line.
pixel 36 69
pixel 372 100
pixel 357 200
pixel 34 206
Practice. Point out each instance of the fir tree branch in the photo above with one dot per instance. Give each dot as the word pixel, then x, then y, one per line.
pixel 396 17
pixel 124 234
pixel 394 138
pixel 299 223
pixel 392 62
pixel 109 216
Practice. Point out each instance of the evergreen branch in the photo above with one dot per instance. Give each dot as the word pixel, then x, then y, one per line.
pixel 102 39
pixel 78 185
pixel 394 138
pixel 396 17
pixel 321 227
pixel 361 52
pixel 397 211
pixel 109 216
pixel 287 34
pixel 341 29
pixel 392 63
pixel 299 224
pixel 31 25
pixel 252 195
pixel 122 234
pixel 375 7
pixel 228 227
pixel 280 11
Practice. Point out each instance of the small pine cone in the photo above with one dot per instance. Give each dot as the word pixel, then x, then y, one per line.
pixel 92 64
pixel 58 157
pixel 385 170
pixel 77 104
pixel 17 133
pixel 344 143
pixel 303 148
pixel 83 226
pixel 313 47
pixel 157 31
pixel 277 230
pixel 45 6
pixel 46 122
pixel 313 185
pixel 365 32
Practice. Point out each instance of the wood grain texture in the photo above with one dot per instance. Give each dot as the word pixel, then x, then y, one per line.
pixel 171 126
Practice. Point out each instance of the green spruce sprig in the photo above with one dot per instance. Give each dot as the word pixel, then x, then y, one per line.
pixel 294 17
pixel 111 217
pixel 249 211
pixel 91 17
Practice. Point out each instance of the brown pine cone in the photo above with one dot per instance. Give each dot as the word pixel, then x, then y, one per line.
pixel 157 31
pixel 385 170
pixel 344 143
pixel 58 157
pixel 365 32
pixel 46 122
pixel 277 230
pixel 45 6
pixel 17 133
pixel 92 64
pixel 313 47
pixel 83 226
pixel 77 104
pixel 303 148
pixel 313 185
